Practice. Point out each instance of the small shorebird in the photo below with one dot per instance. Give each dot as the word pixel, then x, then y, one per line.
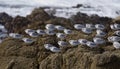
pixel 50 27
pixel 100 26
pixel 79 26
pixel 15 35
pixel 27 40
pixel 74 42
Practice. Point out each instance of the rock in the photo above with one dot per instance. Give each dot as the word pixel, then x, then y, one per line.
pixel 5 18
pixel 10 65
pixel 38 15
pixel 19 22
pixel 53 62
pixel 17 63
pixel 35 56
pixel 77 6
pixel 104 59
pixel 11 47
pixel 83 18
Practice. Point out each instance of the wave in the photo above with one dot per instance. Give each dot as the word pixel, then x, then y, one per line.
pixel 109 8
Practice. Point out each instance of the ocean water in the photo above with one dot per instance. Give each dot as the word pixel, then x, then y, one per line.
pixel 107 8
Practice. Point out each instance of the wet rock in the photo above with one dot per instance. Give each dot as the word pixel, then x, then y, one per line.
pixel 78 6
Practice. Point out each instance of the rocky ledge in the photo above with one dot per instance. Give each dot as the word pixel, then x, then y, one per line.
pixel 14 54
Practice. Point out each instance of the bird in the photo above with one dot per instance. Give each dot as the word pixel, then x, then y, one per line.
pixel 113 38
pixel 15 35
pixel 90 26
pixel 4 30
pixel 91 44
pixel 100 33
pixel 3 35
pixel 27 31
pixel 117 33
pixel 55 49
pixel 100 26
pixel 59 27
pixel 27 40
pixel 40 32
pixel 2 26
pixel 82 41
pixel 48 46
pixel 62 43
pixel 33 34
pixel 87 30
pixel 116 45
pixel 98 40
pixel 50 32
pixel 61 35
pixel 112 27
pixel 117 26
pixel 67 31
pixel 79 26
pixel 74 42
pixel 50 27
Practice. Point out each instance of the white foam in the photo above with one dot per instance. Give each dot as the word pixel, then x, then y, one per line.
pixel 109 8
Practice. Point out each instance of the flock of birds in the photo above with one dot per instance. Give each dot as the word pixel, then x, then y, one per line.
pixel 85 28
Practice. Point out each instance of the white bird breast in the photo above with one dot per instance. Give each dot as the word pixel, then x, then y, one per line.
pixel 100 26
pixel 86 30
pixel 79 26
pixel 91 44
pixel 74 42
pixel 116 45
pixel 50 27
pixel 60 28
pixel 62 43
pixel 82 41
pixel 55 49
